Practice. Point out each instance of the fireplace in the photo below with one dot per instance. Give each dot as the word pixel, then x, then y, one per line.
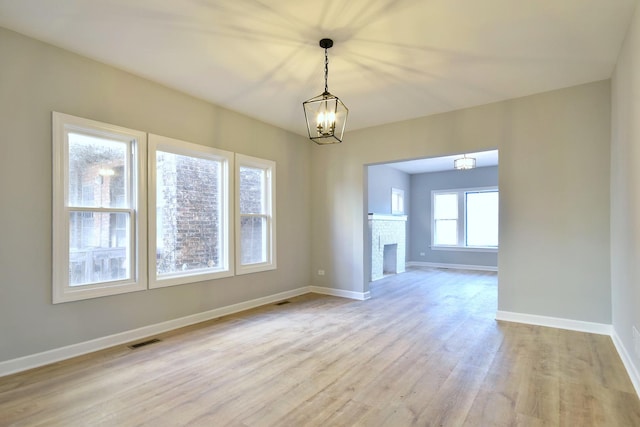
pixel 390 259
pixel 388 235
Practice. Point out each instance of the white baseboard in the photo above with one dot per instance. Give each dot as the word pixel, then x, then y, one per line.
pixel 361 296
pixel 580 326
pixel 555 322
pixel 51 356
pixel 452 266
pixel 627 361
pixel 57 354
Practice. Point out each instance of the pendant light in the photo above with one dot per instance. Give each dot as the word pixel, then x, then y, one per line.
pixel 464 163
pixel 326 114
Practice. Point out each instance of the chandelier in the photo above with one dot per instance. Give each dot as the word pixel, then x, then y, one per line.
pixel 326 114
pixel 464 162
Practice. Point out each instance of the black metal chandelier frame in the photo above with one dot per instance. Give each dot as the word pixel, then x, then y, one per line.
pixel 327 110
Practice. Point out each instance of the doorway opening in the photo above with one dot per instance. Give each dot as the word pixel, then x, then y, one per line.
pixel 425 213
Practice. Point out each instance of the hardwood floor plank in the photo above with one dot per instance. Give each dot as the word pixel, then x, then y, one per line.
pixel 491 409
pixel 425 350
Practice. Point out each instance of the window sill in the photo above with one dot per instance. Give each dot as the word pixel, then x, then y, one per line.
pixel 254 268
pixel 465 248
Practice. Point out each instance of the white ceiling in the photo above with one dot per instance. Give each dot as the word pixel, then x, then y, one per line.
pixel 392 60
pixel 439 164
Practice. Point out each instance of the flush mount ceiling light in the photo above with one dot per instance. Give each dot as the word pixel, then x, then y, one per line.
pixel 464 163
pixel 326 115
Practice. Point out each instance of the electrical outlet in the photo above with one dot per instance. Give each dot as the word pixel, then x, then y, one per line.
pixel 636 341
pixel 320 272
pixel 421 253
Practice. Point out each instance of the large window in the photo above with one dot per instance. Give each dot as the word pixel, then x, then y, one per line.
pixel 98 209
pixel 255 218
pixel 481 218
pixel 124 210
pixel 189 206
pixel 465 219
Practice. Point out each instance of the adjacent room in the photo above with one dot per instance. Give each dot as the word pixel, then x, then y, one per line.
pixel 440 212
pixel 191 189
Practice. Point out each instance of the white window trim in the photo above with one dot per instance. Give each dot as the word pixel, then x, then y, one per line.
pixel 143 210
pixel 400 194
pixel 61 291
pixel 462 209
pixel 464 248
pixel 270 167
pixel 161 143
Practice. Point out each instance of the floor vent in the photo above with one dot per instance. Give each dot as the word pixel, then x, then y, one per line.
pixel 282 302
pixel 143 343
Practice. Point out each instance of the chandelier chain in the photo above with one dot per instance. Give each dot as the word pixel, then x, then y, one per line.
pixel 326 71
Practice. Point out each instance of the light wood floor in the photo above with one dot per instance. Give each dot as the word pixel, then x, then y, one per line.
pixel 424 351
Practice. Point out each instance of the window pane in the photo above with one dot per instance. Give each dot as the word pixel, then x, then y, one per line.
pixel 188 220
pixel 482 219
pixel 446 232
pixel 445 206
pixel 397 201
pixel 97 175
pixel 255 215
pixel 252 184
pixel 253 240
pixel 98 247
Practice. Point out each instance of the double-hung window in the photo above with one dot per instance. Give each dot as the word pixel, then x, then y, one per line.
pixel 190 212
pixel 99 210
pixel 465 219
pixel 255 218
pixel 445 219
pixel 131 214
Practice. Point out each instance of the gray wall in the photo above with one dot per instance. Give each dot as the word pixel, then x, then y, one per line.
pixel 35 79
pixel 554 230
pixel 625 191
pixel 554 212
pixel 382 179
pixel 420 227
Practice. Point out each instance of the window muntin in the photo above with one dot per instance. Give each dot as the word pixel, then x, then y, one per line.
pixel 465 218
pixel 189 197
pixel 99 214
pixel 255 218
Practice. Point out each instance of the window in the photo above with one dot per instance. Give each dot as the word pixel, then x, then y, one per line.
pixel 98 209
pixel 397 201
pixel 466 218
pixel 255 218
pixel 445 219
pixel 189 205
pixel 103 207
pixel 482 218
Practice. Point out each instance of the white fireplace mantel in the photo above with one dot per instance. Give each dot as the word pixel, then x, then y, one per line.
pixel 385 217
pixel 390 231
